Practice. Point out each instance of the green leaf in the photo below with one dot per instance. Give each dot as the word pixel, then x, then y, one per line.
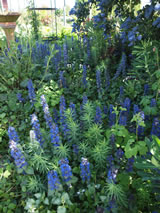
pixel 38 195
pixel 157 140
pixel 46 201
pixel 11 206
pixel 155 162
pixel 144 165
pixel 56 201
pixel 103 198
pixel 6 174
pixel 24 83
pixel 2 115
pixel 65 198
pixel 61 209
pixel 23 189
pixel 29 170
pixel 74 179
pixel 124 180
pixel 143 150
pixel 134 151
pixel 155 86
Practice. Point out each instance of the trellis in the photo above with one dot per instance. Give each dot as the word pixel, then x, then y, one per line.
pixel 50 9
pixel 22 4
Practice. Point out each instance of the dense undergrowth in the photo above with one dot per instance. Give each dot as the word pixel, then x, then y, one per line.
pixel 81 115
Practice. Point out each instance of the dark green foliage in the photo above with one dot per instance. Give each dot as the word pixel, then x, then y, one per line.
pixel 124 164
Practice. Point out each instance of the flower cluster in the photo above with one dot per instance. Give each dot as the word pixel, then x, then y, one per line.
pixel 98 117
pixel 156 127
pixel 98 80
pixel 62 80
pixel 72 107
pixel 112 174
pixel 53 180
pixel 121 92
pixel 119 153
pixel 65 170
pixel 75 149
pixel 105 110
pixel 128 32
pixel 156 23
pixel 129 166
pixel 54 131
pixel 153 102
pixel 56 60
pixel 135 109
pixel 55 138
pixel 55 116
pixel 141 128
pixel 127 104
pixel 110 161
pixel 133 36
pixel 112 116
pixel 16 152
pixel 85 99
pixel 146 89
pixel 40 51
pixel 37 131
pixel 123 118
pixel 107 80
pixel 31 92
pixel 85 170
pixel 148 11
pixel 121 67
pixel 47 115
pixel 20 98
pixel 112 170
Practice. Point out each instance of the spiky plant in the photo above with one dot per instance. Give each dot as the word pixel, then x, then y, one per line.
pixel 63 151
pixel 88 115
pixel 115 192
pixel 34 184
pixel 99 153
pixel 40 163
pixel 73 126
pixel 94 134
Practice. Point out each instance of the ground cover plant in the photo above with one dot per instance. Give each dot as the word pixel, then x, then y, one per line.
pixel 81 115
